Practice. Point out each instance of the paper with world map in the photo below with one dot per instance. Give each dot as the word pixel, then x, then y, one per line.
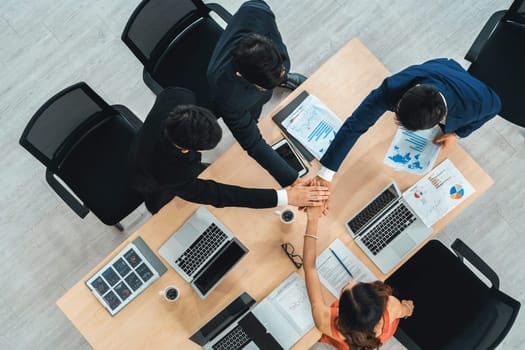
pixel 413 151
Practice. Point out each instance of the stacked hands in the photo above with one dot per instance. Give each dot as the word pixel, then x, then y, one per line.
pixel 315 194
pixel 312 194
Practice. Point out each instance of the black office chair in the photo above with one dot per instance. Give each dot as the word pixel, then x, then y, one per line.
pixel 454 309
pixel 85 143
pixel 498 59
pixel 174 40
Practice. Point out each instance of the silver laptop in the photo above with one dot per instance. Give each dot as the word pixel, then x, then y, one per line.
pixel 387 229
pixel 202 251
pixel 248 326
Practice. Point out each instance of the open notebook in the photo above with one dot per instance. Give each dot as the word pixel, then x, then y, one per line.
pixel 275 323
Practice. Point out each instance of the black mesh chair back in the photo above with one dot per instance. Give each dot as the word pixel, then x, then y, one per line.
pixel 155 23
pixel 85 143
pixel 174 40
pixel 454 309
pixel 498 57
pixel 58 122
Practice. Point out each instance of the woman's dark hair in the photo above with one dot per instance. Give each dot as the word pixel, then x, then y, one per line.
pixel 192 127
pixel 421 107
pixel 360 310
pixel 257 59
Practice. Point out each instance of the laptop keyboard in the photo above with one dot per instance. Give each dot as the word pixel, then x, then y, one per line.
pixel 388 228
pixel 201 249
pixel 371 210
pixel 234 340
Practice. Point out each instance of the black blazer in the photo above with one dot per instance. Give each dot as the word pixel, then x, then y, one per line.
pixel 159 171
pixel 239 102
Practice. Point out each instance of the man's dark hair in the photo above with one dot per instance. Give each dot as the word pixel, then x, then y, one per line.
pixel 192 127
pixel 421 107
pixel 257 59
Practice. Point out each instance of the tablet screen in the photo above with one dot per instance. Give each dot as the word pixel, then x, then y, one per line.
pixel 286 152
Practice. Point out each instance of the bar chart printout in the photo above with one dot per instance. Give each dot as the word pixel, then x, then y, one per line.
pixel 314 125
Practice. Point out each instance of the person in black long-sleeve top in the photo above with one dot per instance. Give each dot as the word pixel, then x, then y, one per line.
pixel 249 60
pixel 165 162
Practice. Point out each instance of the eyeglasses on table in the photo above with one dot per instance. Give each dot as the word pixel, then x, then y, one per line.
pixel 296 259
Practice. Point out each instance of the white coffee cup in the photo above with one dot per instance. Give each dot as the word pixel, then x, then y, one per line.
pixel 287 215
pixel 170 293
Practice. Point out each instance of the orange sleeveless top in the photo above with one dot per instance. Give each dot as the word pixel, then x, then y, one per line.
pixel 389 328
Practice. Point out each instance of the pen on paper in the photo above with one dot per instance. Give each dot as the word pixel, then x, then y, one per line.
pixel 297 114
pixel 341 262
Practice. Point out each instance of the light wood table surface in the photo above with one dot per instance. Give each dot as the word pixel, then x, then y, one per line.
pixel 149 322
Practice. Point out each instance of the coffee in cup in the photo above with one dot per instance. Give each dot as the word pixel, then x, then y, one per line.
pixel 170 293
pixel 287 216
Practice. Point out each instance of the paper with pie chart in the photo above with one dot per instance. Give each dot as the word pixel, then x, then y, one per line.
pixel 440 191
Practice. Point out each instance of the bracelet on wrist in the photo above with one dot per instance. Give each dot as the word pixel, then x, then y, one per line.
pixel 310 236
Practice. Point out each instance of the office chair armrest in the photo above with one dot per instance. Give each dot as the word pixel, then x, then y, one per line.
pixel 463 251
pixel 128 115
pixel 66 195
pixel 473 52
pixel 221 11
pixel 151 82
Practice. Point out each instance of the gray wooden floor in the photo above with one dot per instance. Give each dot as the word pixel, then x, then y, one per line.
pixel 46 45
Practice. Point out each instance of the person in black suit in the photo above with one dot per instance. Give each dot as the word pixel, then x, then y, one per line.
pixel 165 160
pixel 249 61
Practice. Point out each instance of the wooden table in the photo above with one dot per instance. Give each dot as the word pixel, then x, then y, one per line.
pixel 150 322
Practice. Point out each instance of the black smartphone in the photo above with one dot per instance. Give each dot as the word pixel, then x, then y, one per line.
pixel 285 150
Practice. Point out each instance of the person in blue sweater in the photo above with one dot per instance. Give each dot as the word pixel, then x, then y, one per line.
pixel 437 92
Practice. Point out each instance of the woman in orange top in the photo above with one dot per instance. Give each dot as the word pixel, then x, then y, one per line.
pixel 366 314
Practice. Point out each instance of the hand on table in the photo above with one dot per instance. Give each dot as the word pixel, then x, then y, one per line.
pixel 304 194
pixel 446 139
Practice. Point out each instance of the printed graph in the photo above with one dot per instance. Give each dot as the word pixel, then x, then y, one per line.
pixel 457 192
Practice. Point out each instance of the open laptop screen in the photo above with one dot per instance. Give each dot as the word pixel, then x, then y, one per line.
pixel 223 319
pixel 217 268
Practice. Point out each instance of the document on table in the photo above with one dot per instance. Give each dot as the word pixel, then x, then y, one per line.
pixel 289 307
pixel 313 125
pixel 413 151
pixel 333 275
pixel 440 191
pixel 127 275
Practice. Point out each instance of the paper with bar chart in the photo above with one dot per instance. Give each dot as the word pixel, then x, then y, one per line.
pixel 314 125
pixel 413 151
pixel 440 191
